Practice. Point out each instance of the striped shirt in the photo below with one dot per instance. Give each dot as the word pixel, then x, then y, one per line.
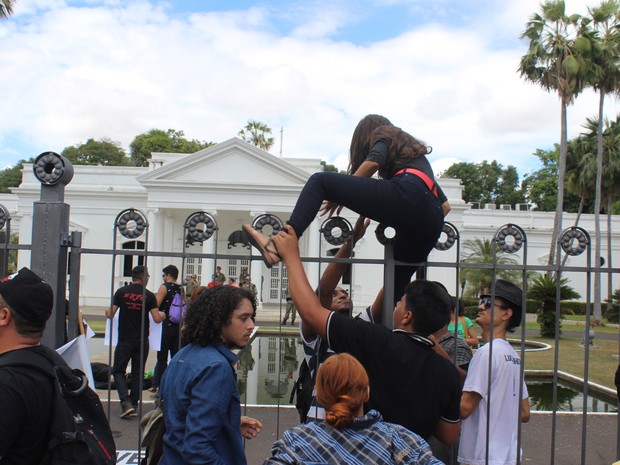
pixel 369 440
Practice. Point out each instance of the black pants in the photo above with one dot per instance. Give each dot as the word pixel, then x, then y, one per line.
pixel 126 351
pixel 169 343
pixel 403 203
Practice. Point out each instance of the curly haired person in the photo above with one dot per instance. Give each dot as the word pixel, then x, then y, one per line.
pixel 202 411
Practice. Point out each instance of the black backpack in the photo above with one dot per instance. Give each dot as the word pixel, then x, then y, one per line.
pixel 79 432
pixel 304 385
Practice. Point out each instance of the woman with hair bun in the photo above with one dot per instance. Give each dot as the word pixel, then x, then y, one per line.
pixel 347 435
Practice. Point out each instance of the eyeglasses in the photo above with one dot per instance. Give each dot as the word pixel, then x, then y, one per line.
pixel 486 302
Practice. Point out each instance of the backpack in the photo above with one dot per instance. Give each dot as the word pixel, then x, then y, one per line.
pixel 304 385
pixel 177 310
pixel 79 431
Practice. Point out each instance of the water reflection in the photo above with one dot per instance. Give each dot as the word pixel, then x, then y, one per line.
pixel 568 398
pixel 268 368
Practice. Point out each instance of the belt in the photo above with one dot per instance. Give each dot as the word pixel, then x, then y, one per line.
pixel 423 176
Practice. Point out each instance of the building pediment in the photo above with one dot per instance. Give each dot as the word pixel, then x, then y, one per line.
pixel 231 162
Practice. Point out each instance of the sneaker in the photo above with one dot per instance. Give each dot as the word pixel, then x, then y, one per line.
pixel 128 411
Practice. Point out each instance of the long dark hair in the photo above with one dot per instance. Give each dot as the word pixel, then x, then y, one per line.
pixel 402 146
pixel 212 310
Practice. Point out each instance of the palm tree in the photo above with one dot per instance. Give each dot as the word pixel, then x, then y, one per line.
pixel 602 37
pixel 584 179
pixel 254 133
pixel 6 8
pixel 544 290
pixel 553 62
pixel 480 251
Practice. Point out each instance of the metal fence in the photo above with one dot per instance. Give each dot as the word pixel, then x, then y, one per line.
pixel 57 253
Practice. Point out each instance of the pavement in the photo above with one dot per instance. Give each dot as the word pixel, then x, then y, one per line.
pixel 600 439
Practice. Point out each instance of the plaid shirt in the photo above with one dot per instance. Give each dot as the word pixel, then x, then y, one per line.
pixel 368 440
pixel 451 345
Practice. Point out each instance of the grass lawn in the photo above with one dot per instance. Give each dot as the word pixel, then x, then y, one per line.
pixel 603 359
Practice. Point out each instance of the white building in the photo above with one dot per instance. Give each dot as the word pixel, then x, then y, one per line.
pixel 235 182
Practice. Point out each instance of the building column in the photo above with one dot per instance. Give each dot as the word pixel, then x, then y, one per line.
pixel 156 231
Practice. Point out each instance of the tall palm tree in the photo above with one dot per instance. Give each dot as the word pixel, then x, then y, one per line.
pixel 602 37
pixel 6 8
pixel 254 132
pixel 553 62
pixel 480 251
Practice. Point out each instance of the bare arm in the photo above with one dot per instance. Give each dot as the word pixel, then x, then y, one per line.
pixel 158 316
pixel 161 295
pixel 313 314
pixel 447 432
pixel 110 312
pixel 525 410
pixel 472 337
pixel 469 402
pixel 446 208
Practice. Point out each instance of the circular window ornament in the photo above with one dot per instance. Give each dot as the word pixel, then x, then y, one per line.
pixel 50 169
pixel 197 233
pixel 269 221
pixel 451 236
pixel 510 238
pixel 131 223
pixel 336 230
pixel 574 241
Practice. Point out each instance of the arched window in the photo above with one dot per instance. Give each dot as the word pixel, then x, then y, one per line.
pixel 129 261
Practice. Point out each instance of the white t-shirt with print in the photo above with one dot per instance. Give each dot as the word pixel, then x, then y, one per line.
pixel 505 406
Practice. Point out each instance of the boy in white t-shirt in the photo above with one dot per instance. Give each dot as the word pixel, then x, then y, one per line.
pixel 508 404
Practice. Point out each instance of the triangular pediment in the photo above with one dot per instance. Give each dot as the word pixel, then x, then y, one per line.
pixel 231 162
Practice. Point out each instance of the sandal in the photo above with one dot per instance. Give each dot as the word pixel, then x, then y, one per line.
pixel 263 244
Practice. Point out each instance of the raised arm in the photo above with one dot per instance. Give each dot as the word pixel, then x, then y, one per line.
pixel 307 302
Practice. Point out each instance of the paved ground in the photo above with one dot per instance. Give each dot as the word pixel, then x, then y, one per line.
pixel 601 437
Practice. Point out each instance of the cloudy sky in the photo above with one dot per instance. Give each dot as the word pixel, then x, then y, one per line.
pixel 444 70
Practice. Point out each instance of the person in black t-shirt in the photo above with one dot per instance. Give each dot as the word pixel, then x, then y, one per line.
pixel 410 384
pixel 135 303
pixel 170 332
pixel 26 303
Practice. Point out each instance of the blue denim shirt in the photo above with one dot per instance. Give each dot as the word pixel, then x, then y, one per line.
pixel 201 408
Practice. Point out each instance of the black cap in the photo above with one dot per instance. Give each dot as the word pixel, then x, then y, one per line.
pixel 509 292
pixel 513 295
pixel 28 295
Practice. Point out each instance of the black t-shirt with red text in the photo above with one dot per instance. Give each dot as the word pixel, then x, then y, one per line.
pixel 128 299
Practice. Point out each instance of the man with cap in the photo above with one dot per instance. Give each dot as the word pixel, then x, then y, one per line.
pixel 498 313
pixel 26 303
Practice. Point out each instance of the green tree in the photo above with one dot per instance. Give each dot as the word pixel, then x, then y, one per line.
pixel 480 251
pixel 12 177
pixel 544 290
pixel 256 133
pixel 103 152
pixel 6 8
pixel 487 182
pixel 602 39
pixel 158 140
pixel 328 168
pixel 553 62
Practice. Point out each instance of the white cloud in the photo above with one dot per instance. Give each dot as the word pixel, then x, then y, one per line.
pixel 117 69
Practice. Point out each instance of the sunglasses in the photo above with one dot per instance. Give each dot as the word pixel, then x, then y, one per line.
pixel 486 302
